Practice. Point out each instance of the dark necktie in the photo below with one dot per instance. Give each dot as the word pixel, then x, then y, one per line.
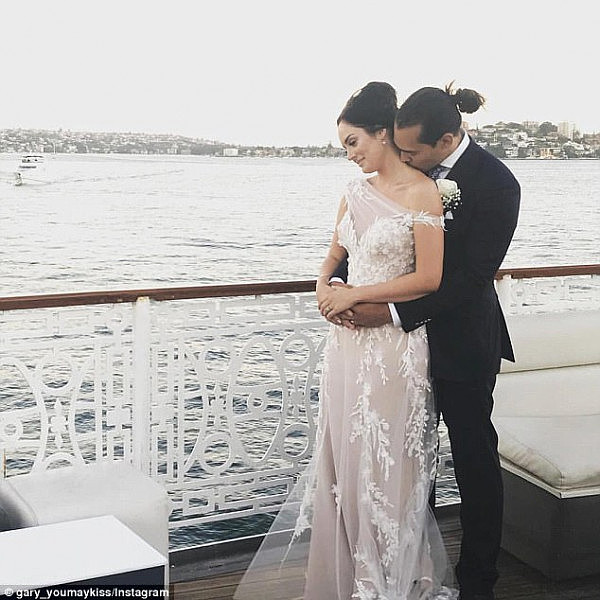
pixel 434 172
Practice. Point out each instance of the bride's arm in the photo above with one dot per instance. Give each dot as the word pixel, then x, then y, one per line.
pixel 334 256
pixel 426 278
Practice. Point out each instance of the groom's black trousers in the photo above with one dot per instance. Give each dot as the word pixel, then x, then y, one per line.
pixel 466 407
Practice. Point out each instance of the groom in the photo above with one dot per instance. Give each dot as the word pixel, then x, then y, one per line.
pixel 465 325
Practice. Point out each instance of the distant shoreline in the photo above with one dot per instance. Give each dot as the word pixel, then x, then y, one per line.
pixel 15 155
pixel 528 140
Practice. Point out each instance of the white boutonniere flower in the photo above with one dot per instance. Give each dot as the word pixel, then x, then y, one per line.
pixel 450 194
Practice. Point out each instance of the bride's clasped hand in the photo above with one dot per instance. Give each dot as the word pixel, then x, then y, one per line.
pixel 333 300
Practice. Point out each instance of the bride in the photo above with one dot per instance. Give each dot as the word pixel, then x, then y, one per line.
pixel 358 524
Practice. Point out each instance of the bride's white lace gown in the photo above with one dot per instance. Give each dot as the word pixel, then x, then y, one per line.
pixel 365 495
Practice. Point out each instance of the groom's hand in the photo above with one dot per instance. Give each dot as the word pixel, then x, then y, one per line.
pixel 368 314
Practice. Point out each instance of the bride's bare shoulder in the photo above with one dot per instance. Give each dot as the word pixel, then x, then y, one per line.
pixel 425 197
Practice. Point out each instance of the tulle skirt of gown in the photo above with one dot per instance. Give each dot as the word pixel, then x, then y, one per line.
pixel 358 523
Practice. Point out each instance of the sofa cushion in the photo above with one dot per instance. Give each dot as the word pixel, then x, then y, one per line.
pixel 14 511
pixel 547 340
pixel 548 392
pixel 105 488
pixel 561 451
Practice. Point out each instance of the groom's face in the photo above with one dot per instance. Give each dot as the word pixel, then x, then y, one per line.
pixel 413 152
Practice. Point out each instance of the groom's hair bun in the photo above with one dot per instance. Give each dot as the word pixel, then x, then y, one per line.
pixel 466 100
pixel 437 111
pixel 372 107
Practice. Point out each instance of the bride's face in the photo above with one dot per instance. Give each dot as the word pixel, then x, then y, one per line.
pixel 362 147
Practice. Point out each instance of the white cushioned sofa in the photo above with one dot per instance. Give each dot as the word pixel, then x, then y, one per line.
pixel 547 414
pixel 78 492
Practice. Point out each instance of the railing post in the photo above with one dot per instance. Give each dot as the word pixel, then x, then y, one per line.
pixel 141 384
pixel 503 286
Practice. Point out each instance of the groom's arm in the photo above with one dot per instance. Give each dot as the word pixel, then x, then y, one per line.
pixel 341 271
pixel 491 231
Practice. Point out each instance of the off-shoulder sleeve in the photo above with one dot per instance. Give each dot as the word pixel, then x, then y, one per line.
pixel 425 218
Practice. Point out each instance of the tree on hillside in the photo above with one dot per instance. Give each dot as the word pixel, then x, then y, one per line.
pixel 497 150
pixel 545 128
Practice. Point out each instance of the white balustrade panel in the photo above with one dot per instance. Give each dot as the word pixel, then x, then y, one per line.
pixel 544 294
pixel 65 386
pixel 234 401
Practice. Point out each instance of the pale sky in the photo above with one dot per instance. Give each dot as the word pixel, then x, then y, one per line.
pixel 278 72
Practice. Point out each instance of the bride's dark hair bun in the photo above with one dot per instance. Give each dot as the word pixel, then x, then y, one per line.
pixel 372 108
pixel 466 100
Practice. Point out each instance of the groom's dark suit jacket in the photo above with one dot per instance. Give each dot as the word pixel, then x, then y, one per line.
pixel 466 328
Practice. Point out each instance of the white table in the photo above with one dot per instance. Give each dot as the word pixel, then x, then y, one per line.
pixel 98 551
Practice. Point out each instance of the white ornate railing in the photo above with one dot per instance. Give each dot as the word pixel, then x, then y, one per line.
pixel 549 289
pixel 212 390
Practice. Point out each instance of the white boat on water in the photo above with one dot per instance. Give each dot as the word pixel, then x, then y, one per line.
pixel 30 161
pixel 31 169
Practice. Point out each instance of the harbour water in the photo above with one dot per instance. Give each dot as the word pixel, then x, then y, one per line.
pixel 123 221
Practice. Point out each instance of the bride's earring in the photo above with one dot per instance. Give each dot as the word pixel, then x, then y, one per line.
pixel 384 142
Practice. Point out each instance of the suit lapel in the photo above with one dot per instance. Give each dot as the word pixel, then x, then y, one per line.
pixel 463 172
pixel 466 165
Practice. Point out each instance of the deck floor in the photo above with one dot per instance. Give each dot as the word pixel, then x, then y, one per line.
pixel 517 580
